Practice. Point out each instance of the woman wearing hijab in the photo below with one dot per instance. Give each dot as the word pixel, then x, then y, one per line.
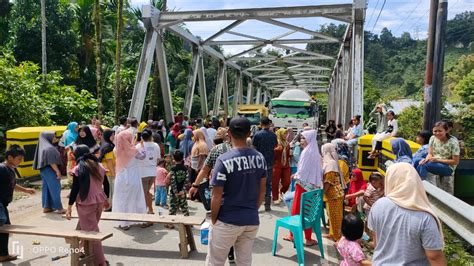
pixel 129 196
pixel 172 137
pixel 344 161
pixel 88 193
pixel 68 137
pixel 47 159
pixel 186 145
pixel 84 137
pixel 209 141
pixel 402 150
pixel 107 158
pixel 281 167
pixel 406 229
pixel 308 177
pixel 356 188
pixel 333 190
pixel 71 133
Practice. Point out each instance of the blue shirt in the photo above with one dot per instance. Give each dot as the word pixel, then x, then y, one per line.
pixel 357 131
pixel 265 141
pixel 422 152
pixel 239 171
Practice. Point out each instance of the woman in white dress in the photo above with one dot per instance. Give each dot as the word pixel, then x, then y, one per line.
pixel 128 190
pixel 392 129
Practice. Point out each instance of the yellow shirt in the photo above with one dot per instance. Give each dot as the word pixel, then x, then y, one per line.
pixel 108 156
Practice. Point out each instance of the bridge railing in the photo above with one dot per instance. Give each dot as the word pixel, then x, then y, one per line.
pixel 455 213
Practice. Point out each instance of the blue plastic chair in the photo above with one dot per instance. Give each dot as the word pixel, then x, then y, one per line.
pixel 323 216
pixel 309 217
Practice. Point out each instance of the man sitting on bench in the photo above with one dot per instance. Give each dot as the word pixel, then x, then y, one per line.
pixel 13 157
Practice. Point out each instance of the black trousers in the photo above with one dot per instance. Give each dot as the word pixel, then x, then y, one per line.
pixel 4 237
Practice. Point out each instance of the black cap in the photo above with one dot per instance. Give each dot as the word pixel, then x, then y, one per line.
pixel 239 127
pixel 265 121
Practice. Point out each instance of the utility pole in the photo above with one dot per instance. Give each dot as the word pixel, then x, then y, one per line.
pixel 434 62
pixel 43 40
pixel 438 62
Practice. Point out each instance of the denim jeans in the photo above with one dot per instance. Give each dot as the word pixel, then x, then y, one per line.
pixel 268 183
pixel 435 168
pixel 160 195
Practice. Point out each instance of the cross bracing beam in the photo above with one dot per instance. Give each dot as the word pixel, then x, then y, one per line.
pixel 245 35
pixel 322 56
pixel 224 30
pixel 255 42
pixel 340 12
pixel 299 29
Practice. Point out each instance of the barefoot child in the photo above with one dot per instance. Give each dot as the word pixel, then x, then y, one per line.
pixel 13 157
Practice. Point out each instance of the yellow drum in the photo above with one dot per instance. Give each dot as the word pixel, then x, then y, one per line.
pixel 27 138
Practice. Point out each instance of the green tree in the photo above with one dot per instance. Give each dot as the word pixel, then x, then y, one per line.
pixel 25 32
pixel 118 60
pixel 98 62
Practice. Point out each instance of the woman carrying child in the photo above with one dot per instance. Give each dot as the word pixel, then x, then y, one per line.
pixel 89 196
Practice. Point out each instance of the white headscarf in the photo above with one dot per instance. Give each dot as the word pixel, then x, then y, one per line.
pixel 209 141
pixel 330 161
pixel 309 165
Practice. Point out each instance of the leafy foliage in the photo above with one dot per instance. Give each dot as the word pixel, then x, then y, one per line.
pixel 25 102
pixel 410 122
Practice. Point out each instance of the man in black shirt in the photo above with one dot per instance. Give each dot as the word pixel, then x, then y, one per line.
pixel 14 156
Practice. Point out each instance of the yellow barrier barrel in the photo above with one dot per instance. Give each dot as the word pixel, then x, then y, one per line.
pixel 27 138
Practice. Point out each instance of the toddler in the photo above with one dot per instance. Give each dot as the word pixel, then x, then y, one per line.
pixel 161 184
pixel 374 191
pixel 352 230
pixel 178 177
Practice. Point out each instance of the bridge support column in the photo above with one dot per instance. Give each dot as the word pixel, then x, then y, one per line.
pixel 164 78
pixel 188 99
pixel 346 99
pixel 237 93
pixel 218 92
pixel 259 95
pixel 249 92
pixel 225 90
pixel 202 86
pixel 143 73
pixel 358 58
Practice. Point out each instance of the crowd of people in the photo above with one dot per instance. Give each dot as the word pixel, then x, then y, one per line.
pixel 233 168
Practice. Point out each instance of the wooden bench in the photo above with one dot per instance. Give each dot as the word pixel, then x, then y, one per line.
pixel 182 223
pixel 72 237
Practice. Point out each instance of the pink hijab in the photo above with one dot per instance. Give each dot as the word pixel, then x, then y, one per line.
pixel 124 149
pixel 309 165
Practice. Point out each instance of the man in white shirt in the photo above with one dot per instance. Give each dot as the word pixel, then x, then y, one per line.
pixel 147 166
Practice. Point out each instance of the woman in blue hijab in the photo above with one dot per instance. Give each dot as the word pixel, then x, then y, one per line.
pixel 186 144
pixel 70 135
pixel 402 150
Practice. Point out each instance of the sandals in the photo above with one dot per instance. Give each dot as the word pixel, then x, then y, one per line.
pixel 310 243
pixel 124 228
pixel 63 211
pixel 169 226
pixel 288 238
pixel 9 258
pixel 46 210
pixel 145 225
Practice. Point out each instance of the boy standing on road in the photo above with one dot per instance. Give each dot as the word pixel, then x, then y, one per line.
pixel 13 157
pixel 239 179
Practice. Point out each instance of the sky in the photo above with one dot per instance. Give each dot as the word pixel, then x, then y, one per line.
pixel 397 15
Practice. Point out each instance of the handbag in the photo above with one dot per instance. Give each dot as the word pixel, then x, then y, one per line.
pixel 3 214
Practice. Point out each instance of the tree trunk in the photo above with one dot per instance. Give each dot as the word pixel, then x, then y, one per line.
pixel 98 61
pixel 43 41
pixel 118 62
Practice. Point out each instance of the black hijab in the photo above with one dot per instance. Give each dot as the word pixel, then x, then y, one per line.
pixel 107 145
pixel 88 140
pixel 83 154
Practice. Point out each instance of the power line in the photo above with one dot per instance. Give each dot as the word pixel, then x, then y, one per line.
pixel 411 12
pixel 384 1
pixel 373 11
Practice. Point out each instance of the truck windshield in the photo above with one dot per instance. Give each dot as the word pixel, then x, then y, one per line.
pixel 253 118
pixel 292 110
